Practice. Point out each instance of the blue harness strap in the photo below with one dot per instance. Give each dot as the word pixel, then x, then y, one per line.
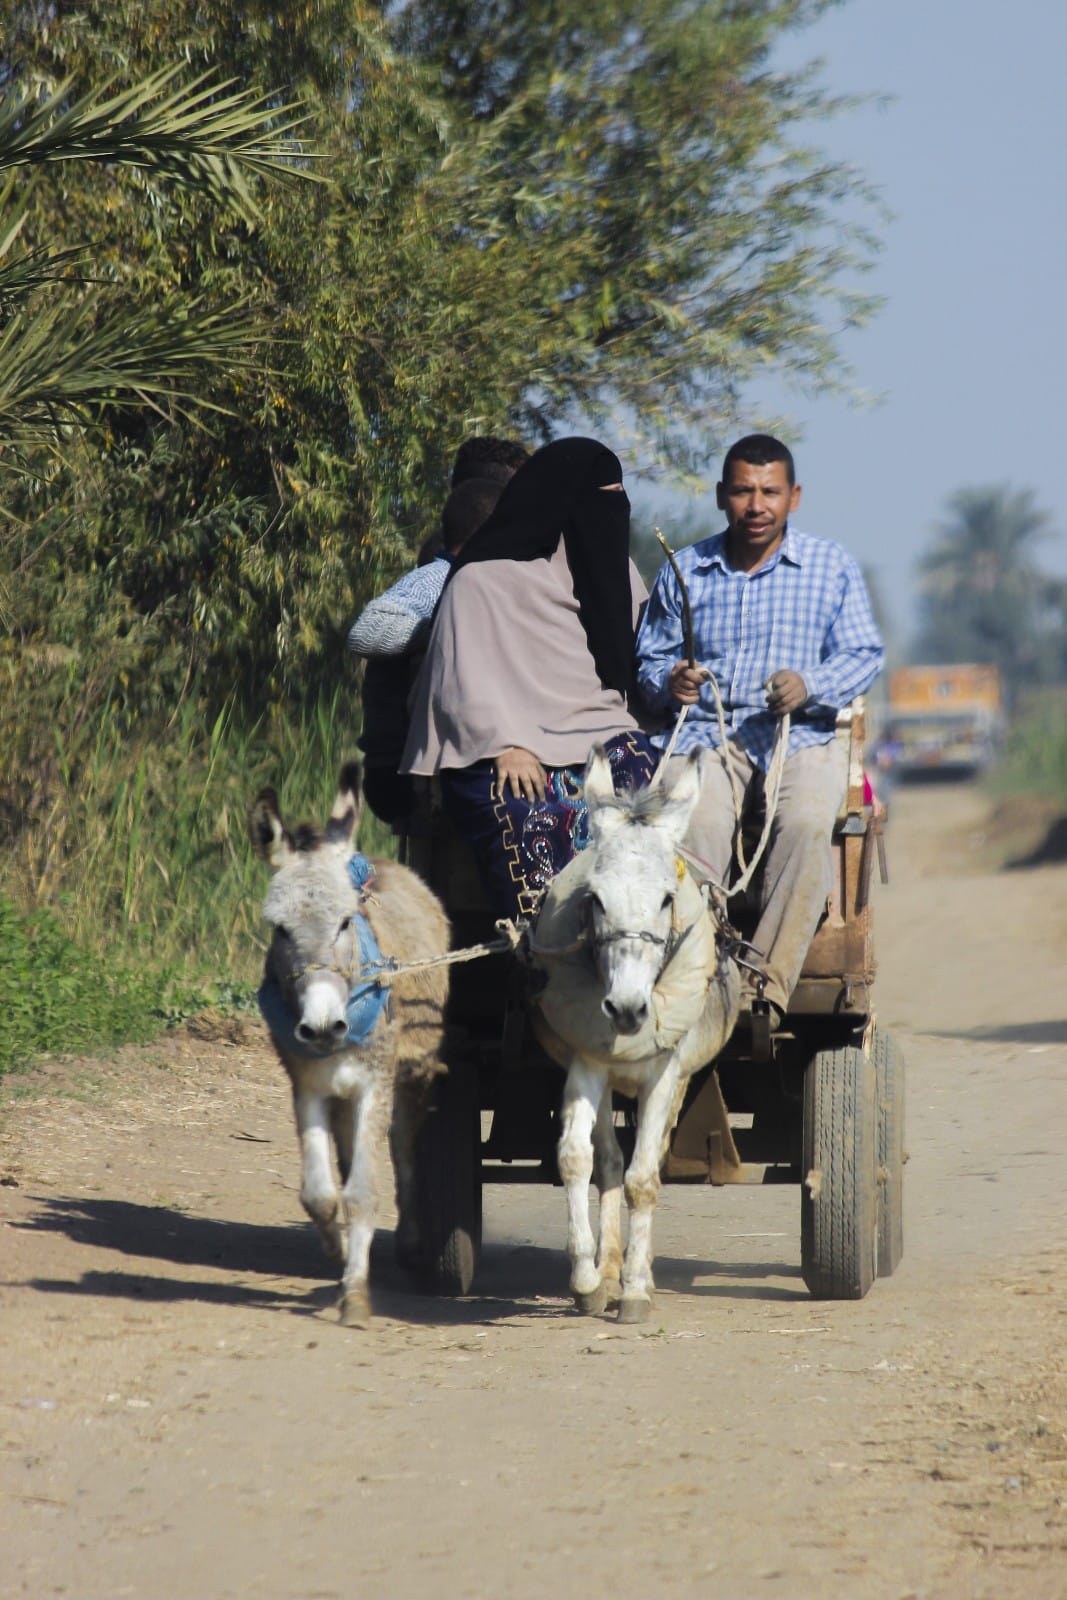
pixel 360 871
pixel 366 1000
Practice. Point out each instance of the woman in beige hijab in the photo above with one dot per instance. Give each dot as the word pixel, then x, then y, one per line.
pixel 530 663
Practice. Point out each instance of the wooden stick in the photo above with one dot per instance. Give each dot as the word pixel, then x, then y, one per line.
pixel 687 612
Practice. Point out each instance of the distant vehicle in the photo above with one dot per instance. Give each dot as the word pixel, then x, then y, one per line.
pixel 945 720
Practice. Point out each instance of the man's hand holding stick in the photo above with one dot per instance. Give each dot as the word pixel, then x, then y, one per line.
pixel 685 677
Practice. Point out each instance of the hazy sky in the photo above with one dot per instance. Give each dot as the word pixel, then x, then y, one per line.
pixel 969 349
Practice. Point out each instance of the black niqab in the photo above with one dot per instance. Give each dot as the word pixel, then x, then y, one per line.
pixel 558 493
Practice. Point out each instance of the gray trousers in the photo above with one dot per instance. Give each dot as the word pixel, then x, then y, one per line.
pixel 797 867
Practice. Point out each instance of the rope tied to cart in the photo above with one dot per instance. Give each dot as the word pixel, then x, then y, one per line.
pixel 511 937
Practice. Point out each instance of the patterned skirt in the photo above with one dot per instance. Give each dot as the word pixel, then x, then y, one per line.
pixel 520 844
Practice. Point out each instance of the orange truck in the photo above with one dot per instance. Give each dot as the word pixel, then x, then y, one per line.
pixel 946 719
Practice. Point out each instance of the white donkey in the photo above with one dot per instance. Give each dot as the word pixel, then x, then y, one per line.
pixel 360 1055
pixel 640 991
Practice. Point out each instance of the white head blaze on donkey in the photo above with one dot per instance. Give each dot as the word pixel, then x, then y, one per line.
pixel 360 1053
pixel 640 992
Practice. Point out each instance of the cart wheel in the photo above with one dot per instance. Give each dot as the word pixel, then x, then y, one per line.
pixel 449 1183
pixel 889 1074
pixel 839 1189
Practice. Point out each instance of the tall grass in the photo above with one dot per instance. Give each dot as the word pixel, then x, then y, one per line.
pixel 140 853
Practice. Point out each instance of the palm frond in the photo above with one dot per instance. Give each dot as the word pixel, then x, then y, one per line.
pixel 59 364
pixel 24 274
pixel 204 133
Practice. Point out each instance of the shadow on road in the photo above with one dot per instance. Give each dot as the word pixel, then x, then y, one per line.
pixel 719 1279
pixel 1051 849
pixel 514 1280
pixel 1050 1032
pixel 161 1234
pixel 142 1288
pixel 513 1276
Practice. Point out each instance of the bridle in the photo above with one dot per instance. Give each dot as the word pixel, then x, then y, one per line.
pixel 731 946
pixel 669 943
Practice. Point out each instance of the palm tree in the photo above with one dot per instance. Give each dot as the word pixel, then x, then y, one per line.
pixel 64 349
pixel 982 596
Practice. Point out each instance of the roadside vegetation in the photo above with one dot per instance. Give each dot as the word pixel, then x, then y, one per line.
pixel 242 332
pixel 985 596
pixel 1034 758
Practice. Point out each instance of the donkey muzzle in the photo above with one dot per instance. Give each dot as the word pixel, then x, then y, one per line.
pixel 321 1016
pixel 625 1019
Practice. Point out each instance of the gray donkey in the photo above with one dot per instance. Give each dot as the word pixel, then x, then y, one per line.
pixel 361 1055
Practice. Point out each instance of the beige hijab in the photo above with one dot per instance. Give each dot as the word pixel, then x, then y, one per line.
pixel 508 663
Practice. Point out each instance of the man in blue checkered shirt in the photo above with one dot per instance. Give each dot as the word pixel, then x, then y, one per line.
pixel 783 622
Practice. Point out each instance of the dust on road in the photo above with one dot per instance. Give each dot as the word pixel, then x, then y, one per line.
pixel 182 1416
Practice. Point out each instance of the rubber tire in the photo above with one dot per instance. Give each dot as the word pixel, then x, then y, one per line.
pixel 449 1185
pixel 889 1080
pixel 839 1213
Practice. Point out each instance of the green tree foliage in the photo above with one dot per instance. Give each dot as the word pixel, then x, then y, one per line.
pixel 983 596
pixel 689 234
pixel 610 213
pixel 83 339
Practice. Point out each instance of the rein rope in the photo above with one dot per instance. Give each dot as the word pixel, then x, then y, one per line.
pixel 389 970
pixel 511 937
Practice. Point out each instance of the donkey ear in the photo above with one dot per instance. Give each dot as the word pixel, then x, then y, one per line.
pixel 605 812
pixel 599 784
pixel 680 798
pixel 344 817
pixel 268 834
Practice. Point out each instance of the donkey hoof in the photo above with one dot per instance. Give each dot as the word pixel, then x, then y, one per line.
pixel 593 1303
pixel 355 1309
pixel 634 1308
pixel 612 1293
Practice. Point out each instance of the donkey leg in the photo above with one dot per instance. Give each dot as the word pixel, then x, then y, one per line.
pixel 582 1095
pixel 318 1193
pixel 657 1104
pixel 361 1203
pixel 607 1172
pixel 341 1129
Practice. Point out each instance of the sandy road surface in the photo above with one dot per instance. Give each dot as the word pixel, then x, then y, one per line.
pixel 181 1415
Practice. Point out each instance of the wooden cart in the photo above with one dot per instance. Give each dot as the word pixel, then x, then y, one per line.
pixel 818 1103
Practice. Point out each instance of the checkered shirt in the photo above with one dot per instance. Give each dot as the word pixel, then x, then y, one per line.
pixel 806 610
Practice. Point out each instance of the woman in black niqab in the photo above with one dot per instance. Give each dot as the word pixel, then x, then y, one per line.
pixel 572 489
pixel 508 703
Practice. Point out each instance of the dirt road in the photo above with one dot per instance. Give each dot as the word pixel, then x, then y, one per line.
pixel 182 1417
